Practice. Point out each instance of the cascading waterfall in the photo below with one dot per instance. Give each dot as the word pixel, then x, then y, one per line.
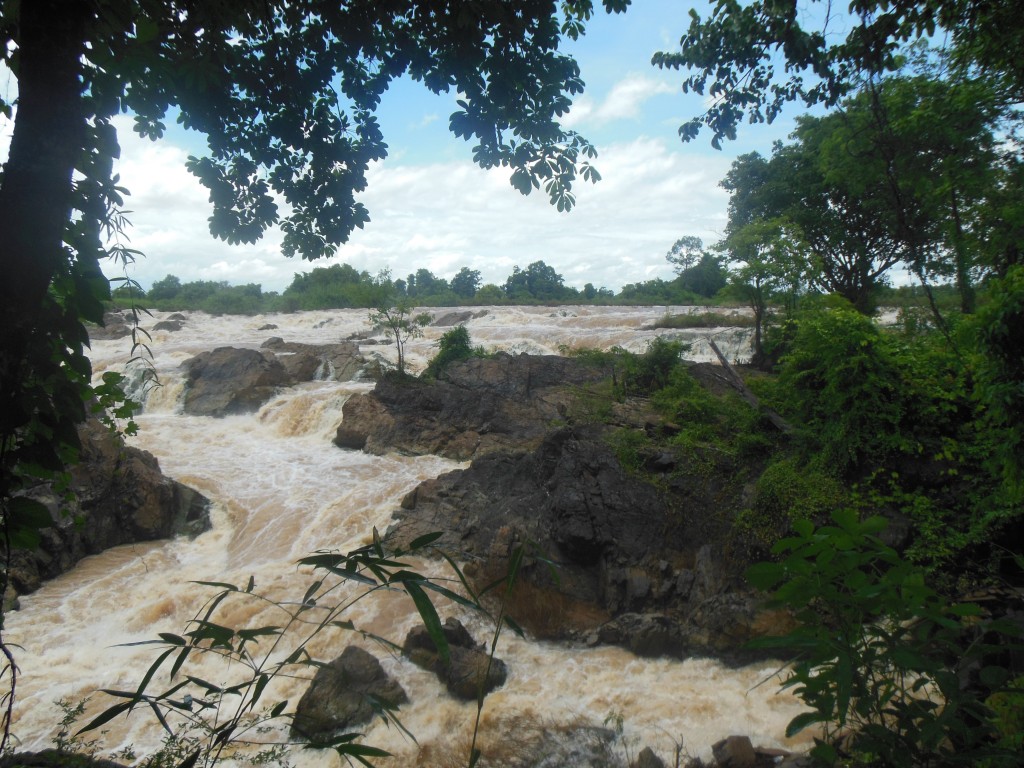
pixel 281 490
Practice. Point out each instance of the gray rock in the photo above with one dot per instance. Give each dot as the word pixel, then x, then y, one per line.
pixel 227 380
pixel 345 693
pixel 317 362
pixel 734 752
pixel 470 671
pixel 120 497
pixel 647 759
pixel 168 325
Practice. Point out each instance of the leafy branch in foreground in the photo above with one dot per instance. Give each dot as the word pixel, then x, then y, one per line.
pixel 893 674
pixel 231 717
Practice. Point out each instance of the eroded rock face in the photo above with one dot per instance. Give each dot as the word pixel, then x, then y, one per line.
pixel 477 407
pixel 636 566
pixel 342 695
pixel 121 497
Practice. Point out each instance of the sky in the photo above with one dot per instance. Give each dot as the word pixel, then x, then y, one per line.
pixel 431 207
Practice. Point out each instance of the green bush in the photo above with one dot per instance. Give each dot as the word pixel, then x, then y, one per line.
pixel 843 381
pixel 881 657
pixel 453 345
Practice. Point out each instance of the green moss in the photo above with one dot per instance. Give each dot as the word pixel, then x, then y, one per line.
pixel 786 492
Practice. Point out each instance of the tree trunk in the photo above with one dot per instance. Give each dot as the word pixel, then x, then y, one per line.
pixel 963 267
pixel 36 188
pixel 36 191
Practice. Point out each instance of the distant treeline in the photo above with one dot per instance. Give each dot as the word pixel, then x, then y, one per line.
pixel 342 286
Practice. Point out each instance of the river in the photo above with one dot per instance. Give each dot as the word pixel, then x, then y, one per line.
pixel 282 490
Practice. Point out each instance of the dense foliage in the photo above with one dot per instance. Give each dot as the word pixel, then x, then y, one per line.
pixel 919 169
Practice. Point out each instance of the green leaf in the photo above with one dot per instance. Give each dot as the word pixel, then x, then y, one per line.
pixel 279 708
pixel 218 585
pixel 107 715
pixel 430 619
pixel 801 721
pixel 425 540
pixel 765 576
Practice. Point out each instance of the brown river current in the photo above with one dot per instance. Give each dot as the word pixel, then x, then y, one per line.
pixel 282 490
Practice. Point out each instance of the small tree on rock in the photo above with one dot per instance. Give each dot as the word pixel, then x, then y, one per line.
pixel 402 325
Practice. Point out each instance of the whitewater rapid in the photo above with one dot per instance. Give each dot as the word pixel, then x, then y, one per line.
pixel 280 490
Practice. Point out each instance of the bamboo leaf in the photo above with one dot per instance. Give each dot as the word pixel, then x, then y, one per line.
pixel 430 619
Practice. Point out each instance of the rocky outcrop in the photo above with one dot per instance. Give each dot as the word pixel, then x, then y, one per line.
pixel 343 694
pixel 169 325
pixel 635 565
pixel 469 672
pixel 477 406
pixel 116 325
pixel 230 380
pixel 227 380
pixel 119 497
pixel 459 317
pixel 317 362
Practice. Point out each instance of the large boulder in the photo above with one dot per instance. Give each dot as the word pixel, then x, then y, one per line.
pixel 120 496
pixel 470 671
pixel 477 406
pixel 345 693
pixel 228 380
pixel 116 324
pixel 317 362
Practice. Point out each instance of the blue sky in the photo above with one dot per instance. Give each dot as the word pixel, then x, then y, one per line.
pixel 431 207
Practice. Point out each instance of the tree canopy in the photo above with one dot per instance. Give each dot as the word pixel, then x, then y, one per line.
pixel 753 58
pixel 285 93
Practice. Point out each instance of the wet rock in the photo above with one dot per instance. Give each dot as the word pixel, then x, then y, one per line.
pixel 168 325
pixel 457 318
pixel 120 497
pixel 470 671
pixel 116 325
pixel 176 316
pixel 647 759
pixel 267 327
pixel 317 362
pixel 734 752
pixel 648 635
pixel 345 693
pixel 227 380
pixel 577 747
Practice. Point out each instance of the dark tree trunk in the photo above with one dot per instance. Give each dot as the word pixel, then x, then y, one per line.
pixel 963 267
pixel 36 190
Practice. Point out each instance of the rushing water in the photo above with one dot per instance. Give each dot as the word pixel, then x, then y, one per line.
pixel 281 490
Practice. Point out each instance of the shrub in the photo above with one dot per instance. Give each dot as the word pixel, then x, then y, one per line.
pixel 881 655
pixel 453 345
pixel 843 381
pixel 786 492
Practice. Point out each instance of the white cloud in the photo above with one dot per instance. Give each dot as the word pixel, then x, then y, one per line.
pixel 445 216
pixel 623 102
